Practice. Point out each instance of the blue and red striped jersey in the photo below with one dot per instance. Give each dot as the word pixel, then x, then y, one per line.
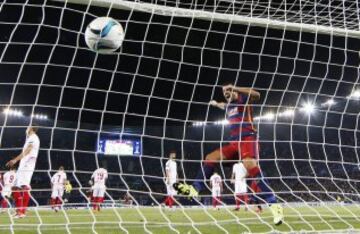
pixel 239 113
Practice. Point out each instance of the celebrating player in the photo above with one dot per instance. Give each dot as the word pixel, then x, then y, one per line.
pixel 170 179
pixel 216 189
pixel 8 180
pixel 243 145
pixel 27 158
pixel 238 178
pixel 98 189
pixel 57 185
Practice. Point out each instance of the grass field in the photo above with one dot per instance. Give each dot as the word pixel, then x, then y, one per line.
pixel 188 220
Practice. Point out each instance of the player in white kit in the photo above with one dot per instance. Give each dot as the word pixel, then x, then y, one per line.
pixel 99 178
pixel 170 179
pixel 238 178
pixel 57 186
pixel 27 158
pixel 8 181
pixel 216 189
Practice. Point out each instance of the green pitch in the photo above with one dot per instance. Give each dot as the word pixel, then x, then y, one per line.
pixel 156 220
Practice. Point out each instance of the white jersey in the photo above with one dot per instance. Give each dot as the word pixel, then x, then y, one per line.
pixel 240 173
pixel 215 181
pixel 28 162
pixel 58 179
pixel 9 179
pixel 100 175
pixel 171 170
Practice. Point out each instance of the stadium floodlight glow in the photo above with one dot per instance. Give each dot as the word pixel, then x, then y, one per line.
pixel 222 122
pixel 329 102
pixel 199 124
pixel 355 94
pixel 308 108
pixel 287 113
pixel 11 112
pixel 268 116
pixel 39 116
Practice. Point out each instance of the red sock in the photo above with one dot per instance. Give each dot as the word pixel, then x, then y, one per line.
pixel 246 198
pixel 52 203
pixel 17 195
pixel 171 201
pixel 26 200
pixel 59 201
pixel 100 200
pixel 4 203
pixel 237 201
pixel 167 201
pixel 94 200
pixel 216 201
pixel 241 199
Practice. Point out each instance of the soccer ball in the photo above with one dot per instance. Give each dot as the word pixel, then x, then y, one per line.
pixel 104 35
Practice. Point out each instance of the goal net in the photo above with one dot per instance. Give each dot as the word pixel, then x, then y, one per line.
pixel 126 111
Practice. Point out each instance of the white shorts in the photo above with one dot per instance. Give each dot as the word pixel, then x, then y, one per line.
pixel 216 192
pixel 57 192
pixel 23 177
pixel 170 189
pixel 240 188
pixel 98 191
pixel 6 191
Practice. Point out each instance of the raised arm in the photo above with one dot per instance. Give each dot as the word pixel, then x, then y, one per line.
pixel 252 93
pixel 19 157
pixel 220 105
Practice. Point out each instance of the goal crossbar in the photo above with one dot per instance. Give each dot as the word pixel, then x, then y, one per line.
pixel 220 17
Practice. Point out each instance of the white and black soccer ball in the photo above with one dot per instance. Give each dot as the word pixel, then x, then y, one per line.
pixel 104 35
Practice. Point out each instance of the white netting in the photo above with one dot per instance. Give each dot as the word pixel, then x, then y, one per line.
pixel 154 94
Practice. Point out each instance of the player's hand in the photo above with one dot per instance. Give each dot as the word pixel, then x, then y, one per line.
pixel 90 182
pixel 11 163
pixel 213 103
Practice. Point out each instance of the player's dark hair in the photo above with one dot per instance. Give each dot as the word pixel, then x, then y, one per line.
pixel 227 83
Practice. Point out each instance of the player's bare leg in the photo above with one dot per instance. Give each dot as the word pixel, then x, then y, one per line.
pixel 267 194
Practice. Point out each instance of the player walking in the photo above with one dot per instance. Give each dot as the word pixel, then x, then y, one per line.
pixel 99 178
pixel 243 145
pixel 238 178
pixel 57 184
pixel 170 179
pixel 27 158
pixel 216 189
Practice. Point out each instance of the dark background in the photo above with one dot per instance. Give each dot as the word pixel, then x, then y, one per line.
pixel 160 83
